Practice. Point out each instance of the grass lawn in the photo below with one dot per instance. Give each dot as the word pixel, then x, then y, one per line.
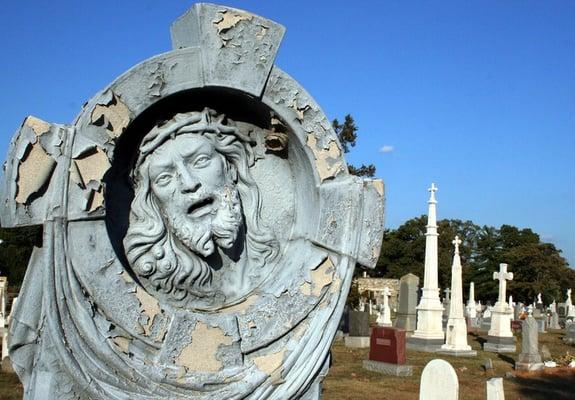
pixel 347 380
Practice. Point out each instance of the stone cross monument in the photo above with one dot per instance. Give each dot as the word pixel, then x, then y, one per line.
pixel 384 317
pixel 471 308
pixel 429 333
pixel 456 332
pixel 500 337
pixel 200 228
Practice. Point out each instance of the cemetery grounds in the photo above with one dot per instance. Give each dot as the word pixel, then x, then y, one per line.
pixel 347 380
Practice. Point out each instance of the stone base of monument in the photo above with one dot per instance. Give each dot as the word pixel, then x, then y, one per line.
pixel 497 344
pixel 388 368
pixel 525 366
pixel 457 353
pixel 357 342
pixel 426 345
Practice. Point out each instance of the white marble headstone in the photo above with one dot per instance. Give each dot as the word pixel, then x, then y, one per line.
pixel 439 381
pixel 495 389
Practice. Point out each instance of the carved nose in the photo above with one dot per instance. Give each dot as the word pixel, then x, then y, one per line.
pixel 189 183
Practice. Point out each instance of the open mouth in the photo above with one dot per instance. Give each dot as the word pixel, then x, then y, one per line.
pixel 201 207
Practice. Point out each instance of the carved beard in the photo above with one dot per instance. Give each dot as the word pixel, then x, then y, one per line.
pixel 219 227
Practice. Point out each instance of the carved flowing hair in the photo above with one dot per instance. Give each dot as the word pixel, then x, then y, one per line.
pixel 151 248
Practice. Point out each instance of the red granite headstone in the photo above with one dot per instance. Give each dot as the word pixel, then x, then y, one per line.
pixel 387 344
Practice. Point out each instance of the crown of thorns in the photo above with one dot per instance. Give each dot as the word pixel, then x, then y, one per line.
pixel 198 122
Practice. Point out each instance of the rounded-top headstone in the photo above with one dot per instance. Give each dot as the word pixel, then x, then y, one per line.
pixel 439 381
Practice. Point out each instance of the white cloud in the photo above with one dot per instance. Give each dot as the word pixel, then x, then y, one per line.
pixel 386 149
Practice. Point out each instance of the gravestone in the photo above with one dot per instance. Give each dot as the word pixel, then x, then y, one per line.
pixel 562 310
pixel 456 332
pixel 387 352
pixel 406 312
pixel 358 330
pixel 500 338
pixel 429 334
pixel 541 323
pixel 485 324
pixel 537 313
pixel 200 228
pixel 494 389
pixel 529 358
pixel 438 381
pixel 569 333
pixel 554 324
pixel 384 314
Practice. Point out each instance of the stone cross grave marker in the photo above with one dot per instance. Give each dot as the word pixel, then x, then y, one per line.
pixel 500 337
pixel 200 226
pixel 503 276
pixel 384 317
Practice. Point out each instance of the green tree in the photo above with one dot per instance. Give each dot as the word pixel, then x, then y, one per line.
pixel 347 135
pixel 538 267
pixel 15 251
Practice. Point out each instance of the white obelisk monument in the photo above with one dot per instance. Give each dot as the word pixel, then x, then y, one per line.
pixel 456 332
pixel 428 335
pixel 500 338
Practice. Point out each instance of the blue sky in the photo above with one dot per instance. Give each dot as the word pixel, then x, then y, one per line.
pixel 478 97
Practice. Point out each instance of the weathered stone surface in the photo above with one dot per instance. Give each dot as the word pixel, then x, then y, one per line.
pixel 529 358
pixel 358 323
pixel 200 228
pixel 439 381
pixel 388 368
pixel 406 312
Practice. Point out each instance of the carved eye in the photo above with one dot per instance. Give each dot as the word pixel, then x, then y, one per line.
pixel 163 179
pixel 201 161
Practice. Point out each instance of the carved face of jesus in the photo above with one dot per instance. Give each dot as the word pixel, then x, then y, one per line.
pixel 195 191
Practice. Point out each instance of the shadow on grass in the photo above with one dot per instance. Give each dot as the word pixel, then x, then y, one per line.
pixel 547 386
pixel 506 358
pixel 478 338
